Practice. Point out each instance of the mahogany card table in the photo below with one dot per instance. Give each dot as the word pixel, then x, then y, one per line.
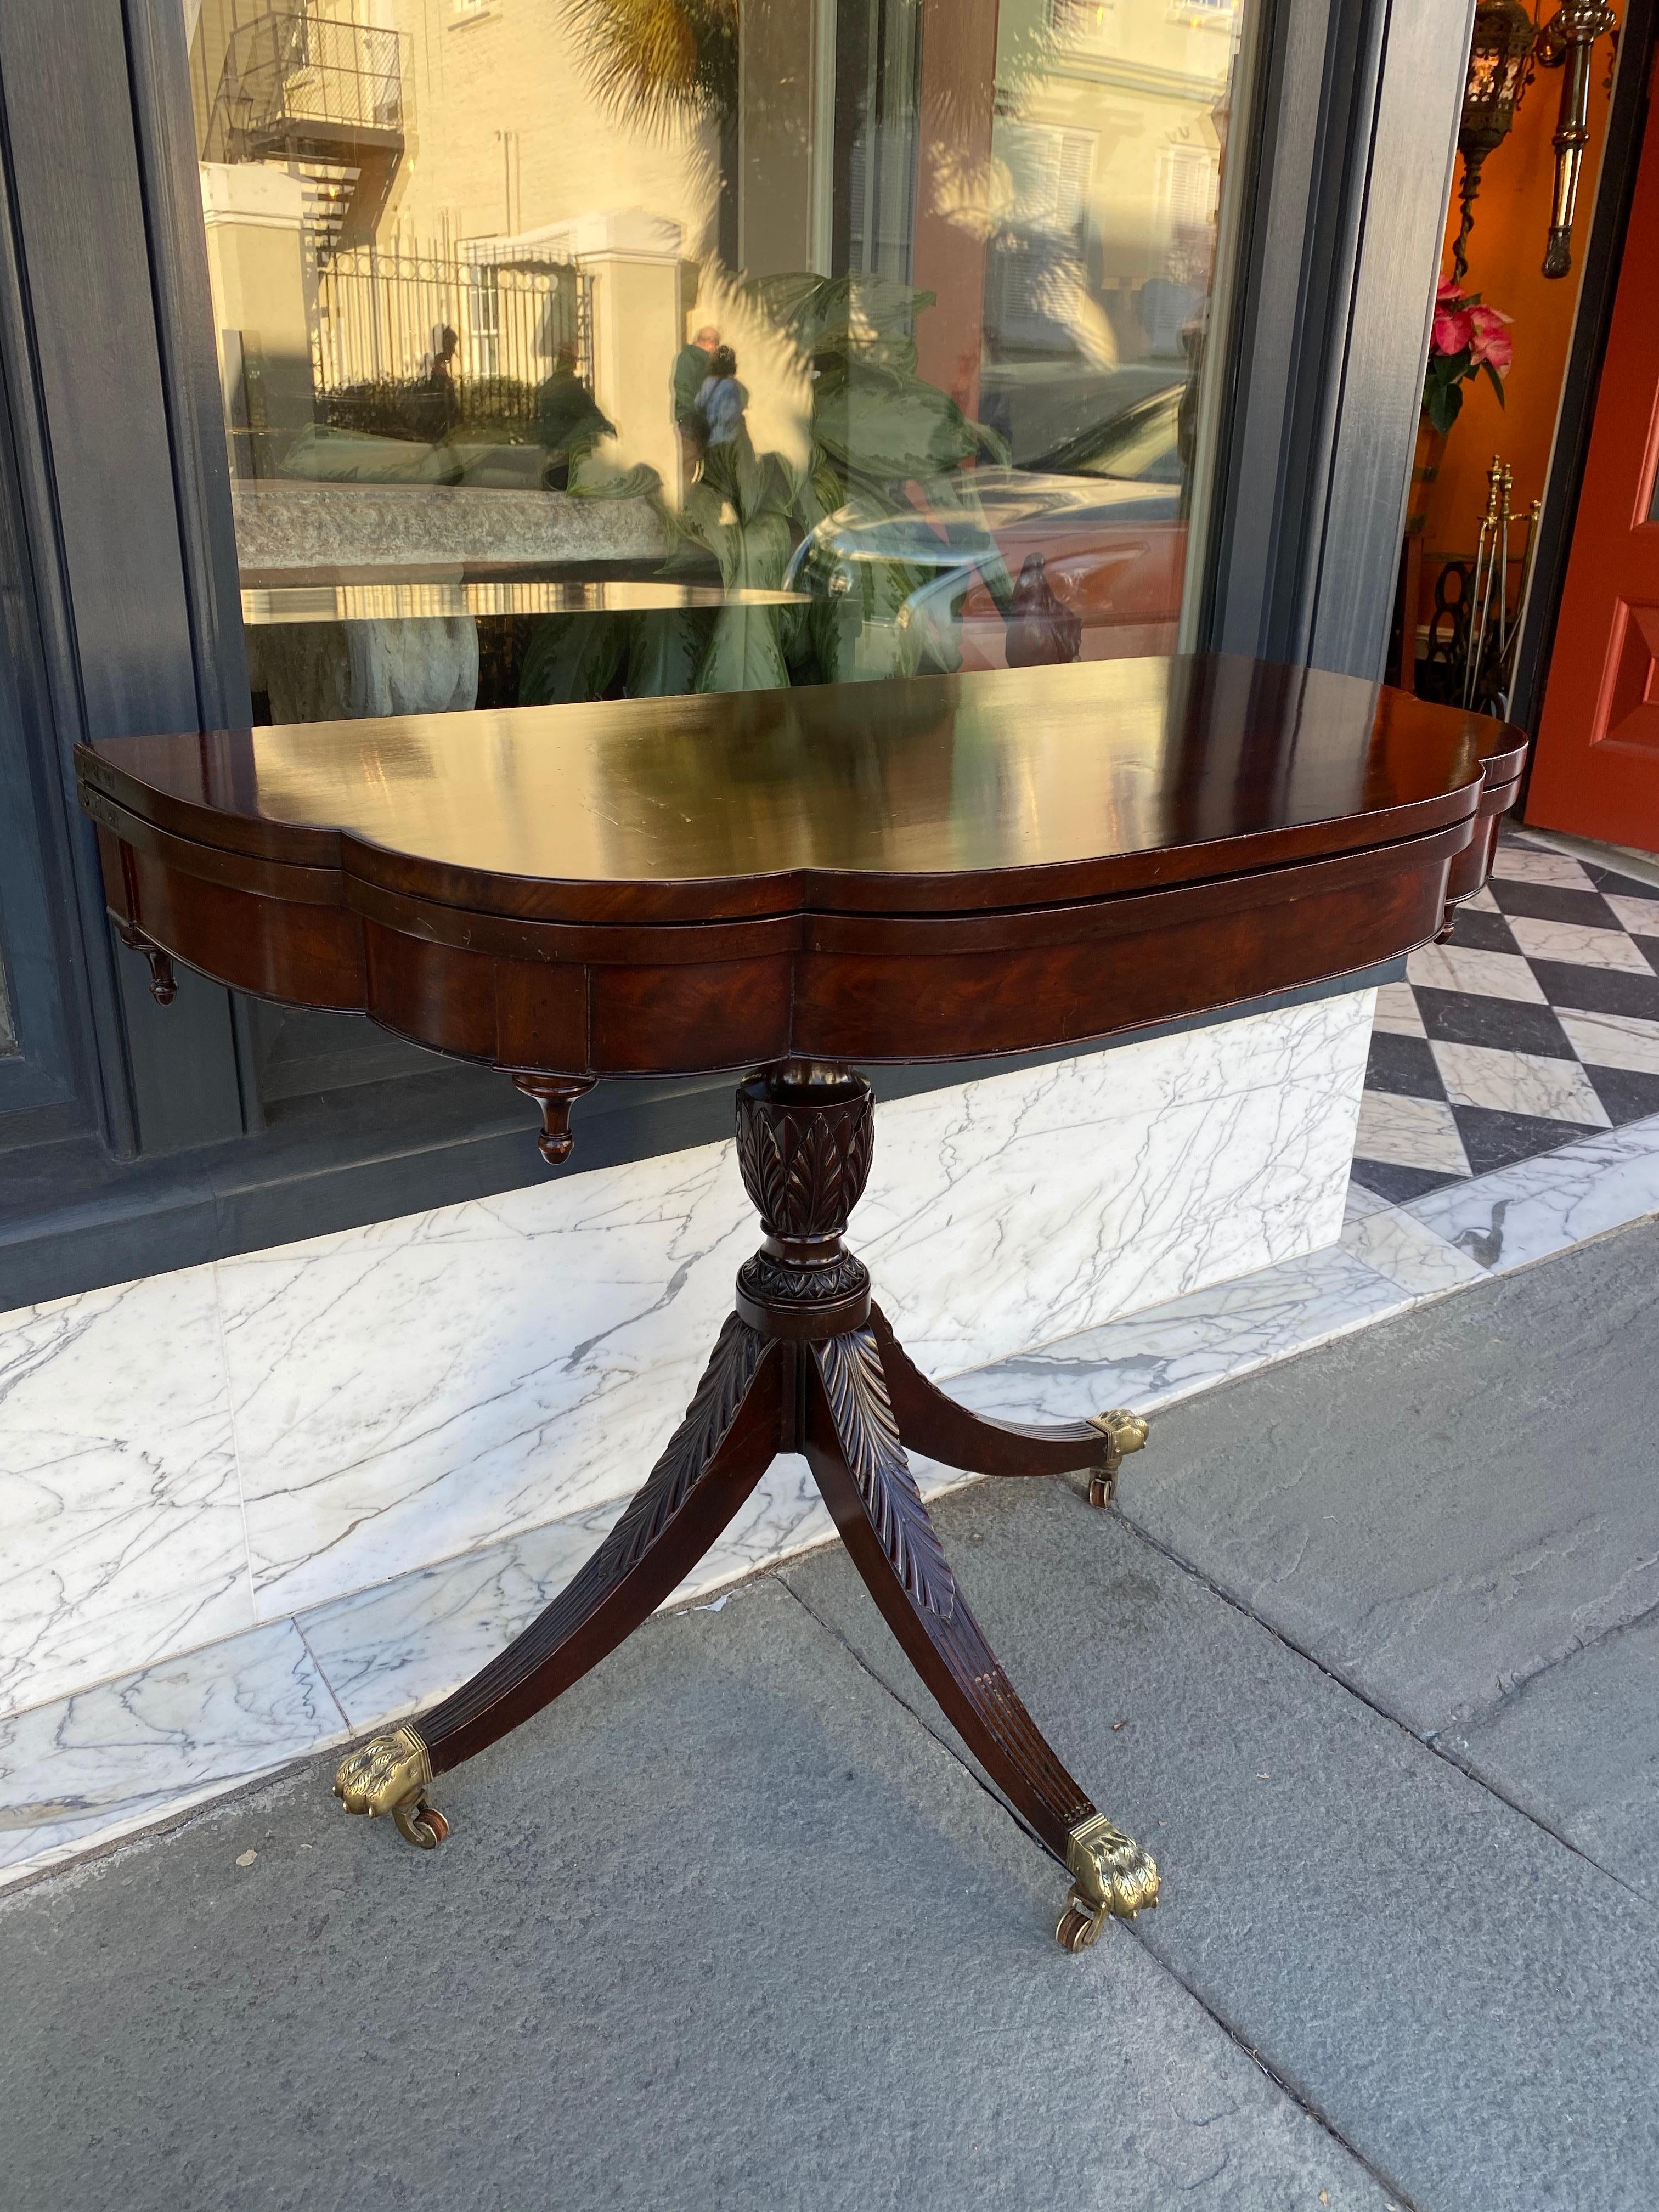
pixel 791 885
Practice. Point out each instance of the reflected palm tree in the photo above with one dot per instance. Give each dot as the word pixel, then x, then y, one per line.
pixel 657 63
pixel 876 427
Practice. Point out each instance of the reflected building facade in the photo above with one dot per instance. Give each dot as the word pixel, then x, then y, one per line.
pixel 960 253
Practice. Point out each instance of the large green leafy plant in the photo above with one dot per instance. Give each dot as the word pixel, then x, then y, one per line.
pixel 877 427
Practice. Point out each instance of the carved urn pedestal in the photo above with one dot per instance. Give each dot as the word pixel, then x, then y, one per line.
pixel 808 1363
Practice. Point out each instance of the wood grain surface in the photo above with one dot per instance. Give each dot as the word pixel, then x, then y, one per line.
pixel 938 868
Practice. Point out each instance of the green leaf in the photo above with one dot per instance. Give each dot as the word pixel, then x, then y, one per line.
pixel 571 658
pixel 1495 379
pixel 871 316
pixel 824 493
pixel 587 481
pixel 743 509
pixel 1442 404
pixel 797 645
pixel 877 424
pixel 744 654
pixel 665 649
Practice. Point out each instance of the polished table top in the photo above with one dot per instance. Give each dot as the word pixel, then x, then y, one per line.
pixel 902 870
pixel 1011 785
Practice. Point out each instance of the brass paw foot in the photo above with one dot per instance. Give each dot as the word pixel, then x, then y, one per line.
pixel 389 1774
pixel 1113 1879
pixel 1125 1432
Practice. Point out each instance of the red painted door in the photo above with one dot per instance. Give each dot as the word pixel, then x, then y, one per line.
pixel 1596 771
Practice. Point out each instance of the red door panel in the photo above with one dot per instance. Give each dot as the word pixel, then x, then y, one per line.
pixel 1596 771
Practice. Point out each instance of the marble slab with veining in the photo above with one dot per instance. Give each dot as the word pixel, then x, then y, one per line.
pixel 184 1456
pixel 445 1383
pixel 121 1529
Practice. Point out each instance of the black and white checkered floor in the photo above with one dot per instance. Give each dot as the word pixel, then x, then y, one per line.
pixel 1538 1021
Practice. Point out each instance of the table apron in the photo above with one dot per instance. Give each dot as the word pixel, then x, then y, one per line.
pixel 602 1000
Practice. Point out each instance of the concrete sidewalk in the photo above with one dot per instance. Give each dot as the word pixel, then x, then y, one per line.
pixel 1371 1657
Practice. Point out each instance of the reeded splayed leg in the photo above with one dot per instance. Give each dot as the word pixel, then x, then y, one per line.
pixel 803 1364
pixel 717 1455
pixel 930 1422
pixel 852 1446
pixel 805 1140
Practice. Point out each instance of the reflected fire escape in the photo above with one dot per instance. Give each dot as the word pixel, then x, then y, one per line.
pixel 323 95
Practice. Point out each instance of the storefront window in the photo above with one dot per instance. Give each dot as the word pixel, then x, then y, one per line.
pixel 573 349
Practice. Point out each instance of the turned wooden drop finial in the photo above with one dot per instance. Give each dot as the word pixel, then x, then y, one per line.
pixel 556 1095
pixel 163 984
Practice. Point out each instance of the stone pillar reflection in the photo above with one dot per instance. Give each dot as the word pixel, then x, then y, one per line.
pixel 957 105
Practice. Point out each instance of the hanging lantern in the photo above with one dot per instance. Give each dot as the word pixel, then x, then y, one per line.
pixel 1503 36
pixel 1565 42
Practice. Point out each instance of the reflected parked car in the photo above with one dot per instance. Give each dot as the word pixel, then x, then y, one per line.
pixel 1103 512
pixel 1140 443
pixel 1038 406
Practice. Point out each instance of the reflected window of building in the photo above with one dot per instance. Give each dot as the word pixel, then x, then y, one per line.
pixel 571 349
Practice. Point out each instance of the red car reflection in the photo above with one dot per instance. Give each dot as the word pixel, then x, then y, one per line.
pixel 1102 515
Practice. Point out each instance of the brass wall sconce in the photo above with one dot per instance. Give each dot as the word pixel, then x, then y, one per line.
pixel 1506 47
pixel 1505 35
pixel 1565 42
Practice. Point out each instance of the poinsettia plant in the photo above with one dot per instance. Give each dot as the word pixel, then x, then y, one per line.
pixel 1467 338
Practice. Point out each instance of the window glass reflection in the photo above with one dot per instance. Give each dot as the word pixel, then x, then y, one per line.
pixel 578 348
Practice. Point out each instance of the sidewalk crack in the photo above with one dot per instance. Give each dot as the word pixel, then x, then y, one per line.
pixel 1399 2199
pixel 1429 1743
pixel 1517 1685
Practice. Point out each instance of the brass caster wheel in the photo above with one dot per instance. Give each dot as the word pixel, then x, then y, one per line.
pixel 1077 1928
pixel 1124 1432
pixel 420 1824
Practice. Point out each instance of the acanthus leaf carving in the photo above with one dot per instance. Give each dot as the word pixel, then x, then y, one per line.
pixel 769 1282
pixel 850 1366
pixel 714 1408
pixel 804 1165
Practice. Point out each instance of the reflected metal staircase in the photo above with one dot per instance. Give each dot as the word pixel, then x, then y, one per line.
pixel 323 96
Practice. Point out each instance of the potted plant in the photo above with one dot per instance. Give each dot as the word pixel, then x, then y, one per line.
pixel 1467 338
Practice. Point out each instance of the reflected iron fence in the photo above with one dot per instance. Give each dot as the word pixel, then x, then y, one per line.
pixel 383 316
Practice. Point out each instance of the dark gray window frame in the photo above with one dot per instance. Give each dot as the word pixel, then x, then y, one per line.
pixel 118 475
pixel 38 1085
pixel 1359 103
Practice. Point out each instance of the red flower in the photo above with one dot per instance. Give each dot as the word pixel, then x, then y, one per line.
pixel 1467 339
pixel 1453 329
pixel 1490 341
